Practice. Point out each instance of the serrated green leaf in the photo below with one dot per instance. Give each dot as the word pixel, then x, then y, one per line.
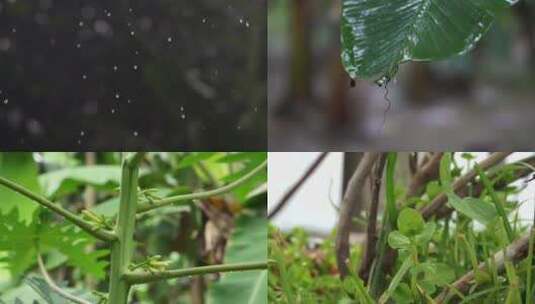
pixel 377 35
pixel 22 169
pixel 20 241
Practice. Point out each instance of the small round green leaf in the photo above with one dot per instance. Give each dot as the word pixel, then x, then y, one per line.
pixel 410 222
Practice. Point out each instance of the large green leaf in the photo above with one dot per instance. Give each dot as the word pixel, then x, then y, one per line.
pixel 248 243
pixel 21 168
pixel 66 180
pixel 377 35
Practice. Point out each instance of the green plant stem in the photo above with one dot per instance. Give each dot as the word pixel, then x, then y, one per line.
pixel 56 208
pixel 55 287
pixel 146 277
pixel 123 247
pixel 200 195
pixel 497 203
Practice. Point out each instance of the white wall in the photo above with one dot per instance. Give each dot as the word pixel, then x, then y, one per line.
pixel 311 207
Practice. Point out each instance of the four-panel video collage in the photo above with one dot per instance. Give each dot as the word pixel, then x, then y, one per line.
pixel 267 151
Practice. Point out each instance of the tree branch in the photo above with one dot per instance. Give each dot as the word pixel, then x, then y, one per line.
pixel 297 185
pixel 371 239
pixel 134 278
pixel 56 208
pixel 515 252
pixel 439 201
pixel 428 172
pixel 55 287
pixel 352 198
pixel 200 195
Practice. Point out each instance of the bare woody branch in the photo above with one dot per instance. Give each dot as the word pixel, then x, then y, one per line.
pixel 515 252
pixel 371 232
pixel 428 172
pixel 351 199
pixel 286 198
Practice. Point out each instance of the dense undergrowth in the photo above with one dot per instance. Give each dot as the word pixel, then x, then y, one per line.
pixel 454 255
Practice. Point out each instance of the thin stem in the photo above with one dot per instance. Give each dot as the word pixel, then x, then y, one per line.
pixel 122 249
pixel 497 203
pixel 147 277
pixel 56 208
pixel 55 287
pixel 286 198
pixel 200 195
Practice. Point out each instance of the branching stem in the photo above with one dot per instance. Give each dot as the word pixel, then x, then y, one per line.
pixel 146 277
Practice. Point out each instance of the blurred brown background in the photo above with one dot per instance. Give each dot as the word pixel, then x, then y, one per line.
pixel 483 100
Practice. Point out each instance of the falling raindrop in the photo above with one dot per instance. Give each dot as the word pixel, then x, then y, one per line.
pixel 84 76
pixel 14 30
pixel 132 33
pixel 204 20
pixel 6 101
pixel 130 10
pixel 169 39
pixel 182 108
pixel 183 116
pixel 82 133
pixel 117 95
pixel 115 68
pixel 81 23
pixel 246 23
pixel 112 111
pixel 78 45
pixel 108 14
pixel 135 133
pixel 135 67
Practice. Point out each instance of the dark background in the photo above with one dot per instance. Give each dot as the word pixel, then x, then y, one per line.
pixel 484 100
pixel 173 75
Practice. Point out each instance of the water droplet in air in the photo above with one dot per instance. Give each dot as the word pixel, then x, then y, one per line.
pixel 204 20
pixel 183 116
pixel 81 23
pixel 6 101
pixel 112 111
pixel 14 30
pixel 84 76
pixel 78 45
pixel 115 68
pixel 169 39
pixel 132 33
pixel 135 67
pixel 129 101
pixel 135 133
pixel 108 14
pixel 82 133
pixel 117 95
